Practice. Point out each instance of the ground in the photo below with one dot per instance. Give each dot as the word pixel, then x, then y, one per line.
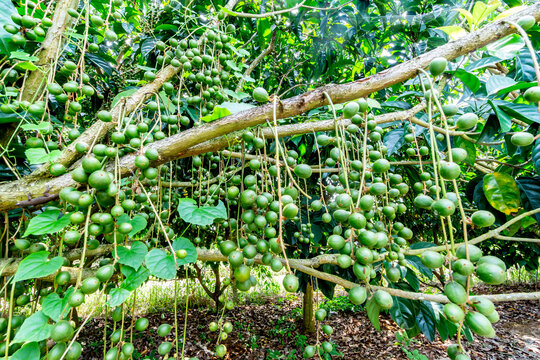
pixel 273 331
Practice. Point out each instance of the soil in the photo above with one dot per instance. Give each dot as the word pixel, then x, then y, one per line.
pixel 274 331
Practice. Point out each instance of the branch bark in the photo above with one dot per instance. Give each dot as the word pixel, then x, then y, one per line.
pixel 257 60
pixel 36 81
pixel 179 145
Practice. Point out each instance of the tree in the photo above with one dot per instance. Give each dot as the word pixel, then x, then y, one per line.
pixel 349 143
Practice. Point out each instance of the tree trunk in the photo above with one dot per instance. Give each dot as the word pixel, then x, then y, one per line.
pixel 307 310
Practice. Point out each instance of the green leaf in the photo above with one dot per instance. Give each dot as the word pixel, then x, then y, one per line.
pixel 166 27
pixel 118 296
pixel 469 147
pixel 502 192
pixel 27 352
pixel 470 80
pixel 40 155
pixel 37 265
pixel 205 215
pixel 122 95
pixel 166 102
pixel 217 113
pixel 523 112
pixel 138 223
pixel 184 243
pixel 372 310
pixel 134 279
pixel 236 95
pixel 134 256
pixel 25 65
pixel 47 223
pixel 160 264
pixel 21 55
pixel 42 126
pixel 54 306
pixel 496 83
pixel 507 47
pixel 34 328
pixel 455 32
pixel 6 9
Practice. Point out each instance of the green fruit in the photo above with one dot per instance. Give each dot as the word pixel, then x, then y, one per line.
pixel 467 121
pixel 492 260
pixel 483 305
pixel 463 267
pixel 358 295
pixel 303 171
pixel 309 352
pixel 479 324
pixel 22 244
pixel 290 283
pixel 62 278
pixel 336 242
pixel 526 22
pixel 455 293
pixel 443 207
pixel 242 273
pixel 474 253
pixel 459 154
pixel 57 169
pixel 490 274
pixel 344 261
pixel 462 357
pixel 450 109
pixel 221 351
pixel 493 317
pixel 104 116
pixel 105 273
pixel 164 348
pixel 290 211
pixel 532 94
pixel 350 109
pixel 449 170
pixel 381 166
pixel 260 95
pixel 57 351
pixel 357 220
pixel 437 66
pixel 62 331
pixel 522 138
pixel 236 258
pixel 482 218
pixel 100 180
pixel 141 324
pixel 453 351
pixel 432 259
pixel 393 274
pixel 90 285
pixel 76 298
pixel 74 352
pixel 128 349
pixel 320 314
pixel 110 35
pixel 422 201
pixel 165 329
pixel 453 313
pixel 383 299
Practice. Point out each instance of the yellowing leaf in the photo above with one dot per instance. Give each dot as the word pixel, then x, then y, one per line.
pixel 467 15
pixel 509 12
pixel 502 192
pixel 455 32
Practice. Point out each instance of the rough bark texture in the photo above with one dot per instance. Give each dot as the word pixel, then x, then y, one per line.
pixel 179 145
pixel 35 81
pixel 307 310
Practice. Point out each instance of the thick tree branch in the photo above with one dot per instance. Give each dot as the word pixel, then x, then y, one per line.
pixel 179 145
pixel 36 81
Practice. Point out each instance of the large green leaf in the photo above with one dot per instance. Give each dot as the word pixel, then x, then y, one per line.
pixel 160 264
pixel 118 296
pixel 502 192
pixel 47 223
pixel 34 328
pixel 40 155
pixel 185 244
pixel 495 83
pixel 523 112
pixel 28 352
pixel 56 307
pixel 372 310
pixel 37 265
pixel 133 256
pixel 134 279
pixel 6 9
pixel 469 79
pixel 204 215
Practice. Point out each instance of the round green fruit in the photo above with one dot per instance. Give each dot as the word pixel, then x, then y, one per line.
pixel 290 283
pixel 474 253
pixel 62 331
pixel 437 66
pixel 383 299
pixel 482 218
pixel 532 94
pixel 141 324
pixel 522 138
pixel 456 293
pixel 490 274
pixel 467 121
pixel 453 312
pixel 260 95
pixel 479 324
pixel 358 295
pixel 303 171
pixel 432 259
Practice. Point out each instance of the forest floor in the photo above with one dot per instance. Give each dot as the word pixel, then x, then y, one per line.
pixel 273 330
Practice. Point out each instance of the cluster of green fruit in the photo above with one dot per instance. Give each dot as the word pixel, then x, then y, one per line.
pixel 324 346
pixel 28 27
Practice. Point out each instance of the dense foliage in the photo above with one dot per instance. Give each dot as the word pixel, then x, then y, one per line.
pixel 147 139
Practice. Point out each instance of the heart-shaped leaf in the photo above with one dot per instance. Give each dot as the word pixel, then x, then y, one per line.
pixel 47 223
pixel 204 215
pixel 37 265
pixel 133 256
pixel 160 264
pixel 34 328
pixel 185 244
